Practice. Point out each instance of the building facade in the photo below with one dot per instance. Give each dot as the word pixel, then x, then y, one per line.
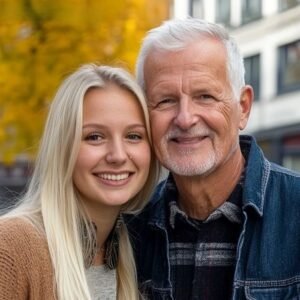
pixel 13 179
pixel 268 33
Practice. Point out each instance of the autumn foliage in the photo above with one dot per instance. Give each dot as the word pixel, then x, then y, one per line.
pixel 41 41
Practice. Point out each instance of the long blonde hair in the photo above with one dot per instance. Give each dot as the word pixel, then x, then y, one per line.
pixel 51 202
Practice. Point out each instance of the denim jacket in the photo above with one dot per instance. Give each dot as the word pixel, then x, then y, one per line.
pixel 268 250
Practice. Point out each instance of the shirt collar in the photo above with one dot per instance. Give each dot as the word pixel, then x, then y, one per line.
pixel 230 209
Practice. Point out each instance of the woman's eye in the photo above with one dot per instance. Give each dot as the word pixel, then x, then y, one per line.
pixel 95 137
pixel 134 136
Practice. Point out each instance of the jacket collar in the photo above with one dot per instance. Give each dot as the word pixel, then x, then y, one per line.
pixel 257 175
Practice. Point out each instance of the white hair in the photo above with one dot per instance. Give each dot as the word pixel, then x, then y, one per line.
pixel 176 34
pixel 52 202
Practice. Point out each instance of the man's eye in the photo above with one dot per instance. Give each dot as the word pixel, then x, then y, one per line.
pixel 165 103
pixel 204 97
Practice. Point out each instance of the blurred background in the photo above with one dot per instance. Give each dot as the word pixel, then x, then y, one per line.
pixel 42 41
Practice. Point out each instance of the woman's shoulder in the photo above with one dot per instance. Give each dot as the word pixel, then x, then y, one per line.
pixel 11 227
pixel 24 260
pixel 22 245
pixel 19 233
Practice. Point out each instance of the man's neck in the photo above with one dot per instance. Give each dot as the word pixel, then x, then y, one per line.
pixel 200 195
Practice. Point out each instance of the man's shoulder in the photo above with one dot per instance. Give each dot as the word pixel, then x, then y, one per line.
pixel 156 199
pixel 266 176
pixel 285 181
pixel 283 171
pixel 153 210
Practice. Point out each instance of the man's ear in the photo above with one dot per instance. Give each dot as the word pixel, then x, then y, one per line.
pixel 246 99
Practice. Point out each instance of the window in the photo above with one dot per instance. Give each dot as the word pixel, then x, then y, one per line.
pixel 196 7
pixel 289 67
pixel 291 152
pixel 286 4
pixel 292 162
pixel 223 12
pixel 252 71
pixel 251 10
pixel 267 147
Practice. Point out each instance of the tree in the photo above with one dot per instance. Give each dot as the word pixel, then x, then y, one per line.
pixel 41 41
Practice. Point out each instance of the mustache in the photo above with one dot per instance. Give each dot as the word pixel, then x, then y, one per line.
pixel 175 133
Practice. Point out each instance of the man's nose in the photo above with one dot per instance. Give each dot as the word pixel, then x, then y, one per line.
pixel 186 114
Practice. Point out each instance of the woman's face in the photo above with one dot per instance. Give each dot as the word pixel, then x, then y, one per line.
pixel 114 157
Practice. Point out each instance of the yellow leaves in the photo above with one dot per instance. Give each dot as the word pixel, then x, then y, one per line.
pixel 19 131
pixel 43 40
pixel 130 26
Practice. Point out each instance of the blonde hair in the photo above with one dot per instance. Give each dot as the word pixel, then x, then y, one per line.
pixel 51 202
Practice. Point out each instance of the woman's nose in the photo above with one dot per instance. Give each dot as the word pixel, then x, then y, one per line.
pixel 116 153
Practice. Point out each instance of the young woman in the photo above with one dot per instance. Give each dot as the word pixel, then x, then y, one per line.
pixel 66 239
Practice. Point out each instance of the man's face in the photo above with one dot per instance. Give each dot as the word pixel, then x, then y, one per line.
pixel 195 119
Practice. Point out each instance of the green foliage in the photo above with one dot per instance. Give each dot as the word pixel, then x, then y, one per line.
pixel 41 41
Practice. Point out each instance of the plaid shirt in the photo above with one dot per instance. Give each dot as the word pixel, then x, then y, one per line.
pixel 203 253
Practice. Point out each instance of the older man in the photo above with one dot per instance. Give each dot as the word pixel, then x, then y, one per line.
pixel 225 224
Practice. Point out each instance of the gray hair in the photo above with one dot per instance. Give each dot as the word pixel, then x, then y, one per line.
pixel 174 35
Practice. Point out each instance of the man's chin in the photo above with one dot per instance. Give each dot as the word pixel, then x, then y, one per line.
pixel 189 169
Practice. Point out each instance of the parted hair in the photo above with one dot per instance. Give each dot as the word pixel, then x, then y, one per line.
pixel 176 34
pixel 52 203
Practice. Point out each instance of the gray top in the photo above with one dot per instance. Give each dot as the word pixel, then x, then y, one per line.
pixel 102 283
